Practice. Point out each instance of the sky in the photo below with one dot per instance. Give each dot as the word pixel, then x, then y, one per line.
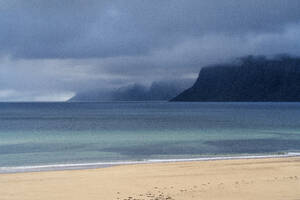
pixel 50 50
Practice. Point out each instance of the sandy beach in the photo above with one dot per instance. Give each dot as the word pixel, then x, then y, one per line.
pixel 267 179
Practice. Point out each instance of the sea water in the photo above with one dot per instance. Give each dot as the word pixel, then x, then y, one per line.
pixel 53 135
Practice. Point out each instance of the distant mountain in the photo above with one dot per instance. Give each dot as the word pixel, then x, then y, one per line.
pixel 161 90
pixel 91 96
pixel 251 79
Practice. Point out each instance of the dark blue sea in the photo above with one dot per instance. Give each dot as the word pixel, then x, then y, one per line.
pixel 62 134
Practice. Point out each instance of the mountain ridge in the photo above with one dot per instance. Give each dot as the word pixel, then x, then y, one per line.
pixel 157 91
pixel 251 79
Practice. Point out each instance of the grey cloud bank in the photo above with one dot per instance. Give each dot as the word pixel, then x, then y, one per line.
pixel 63 47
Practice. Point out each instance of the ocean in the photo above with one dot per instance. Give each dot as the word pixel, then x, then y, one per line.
pixel 37 136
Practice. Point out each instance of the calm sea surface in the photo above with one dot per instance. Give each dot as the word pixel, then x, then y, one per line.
pixel 56 133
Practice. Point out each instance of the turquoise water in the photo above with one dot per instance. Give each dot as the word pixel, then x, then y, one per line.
pixel 58 133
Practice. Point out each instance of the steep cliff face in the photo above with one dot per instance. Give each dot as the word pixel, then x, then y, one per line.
pixel 254 79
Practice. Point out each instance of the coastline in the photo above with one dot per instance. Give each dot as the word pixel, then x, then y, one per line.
pixel 96 165
pixel 263 178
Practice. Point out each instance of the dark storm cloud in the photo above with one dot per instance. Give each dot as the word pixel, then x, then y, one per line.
pixel 53 49
pixel 84 29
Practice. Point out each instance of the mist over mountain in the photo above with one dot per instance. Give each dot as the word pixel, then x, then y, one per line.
pixel 157 91
pixel 53 50
pixel 249 79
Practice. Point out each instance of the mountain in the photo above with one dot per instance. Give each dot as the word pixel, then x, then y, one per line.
pixel 91 96
pixel 157 91
pixel 251 79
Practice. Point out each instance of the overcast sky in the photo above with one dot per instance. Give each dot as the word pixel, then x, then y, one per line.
pixel 49 50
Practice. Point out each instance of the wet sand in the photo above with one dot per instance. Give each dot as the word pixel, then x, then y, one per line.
pixel 266 179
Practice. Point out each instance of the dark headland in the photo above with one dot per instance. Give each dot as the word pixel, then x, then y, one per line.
pixel 251 79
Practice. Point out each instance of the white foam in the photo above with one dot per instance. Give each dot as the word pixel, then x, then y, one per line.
pixel 71 166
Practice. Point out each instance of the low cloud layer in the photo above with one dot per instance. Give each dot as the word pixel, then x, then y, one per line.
pixel 52 49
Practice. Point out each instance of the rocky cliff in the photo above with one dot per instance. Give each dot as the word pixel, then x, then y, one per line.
pixel 251 79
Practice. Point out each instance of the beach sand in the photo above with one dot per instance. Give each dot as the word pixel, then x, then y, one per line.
pixel 266 179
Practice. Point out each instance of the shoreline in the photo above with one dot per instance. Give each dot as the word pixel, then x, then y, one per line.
pixel 260 178
pixel 99 165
